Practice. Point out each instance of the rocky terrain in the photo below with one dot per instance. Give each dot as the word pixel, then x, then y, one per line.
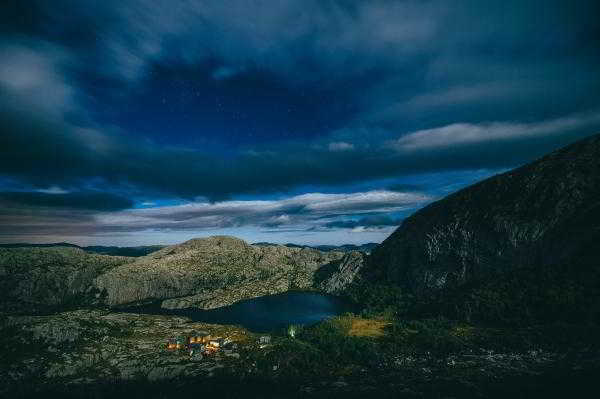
pixel 203 273
pixel 336 277
pixel 543 214
pixel 213 272
pixel 366 248
pixel 97 353
pixel 34 280
pixel 86 347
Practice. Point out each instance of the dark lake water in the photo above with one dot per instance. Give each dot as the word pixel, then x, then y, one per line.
pixel 266 313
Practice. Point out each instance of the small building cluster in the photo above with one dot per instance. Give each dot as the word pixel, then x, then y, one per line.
pixel 199 342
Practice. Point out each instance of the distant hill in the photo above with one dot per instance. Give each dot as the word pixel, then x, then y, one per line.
pixel 125 251
pixel 148 249
pixel 27 245
pixel 520 245
pixel 98 249
pixel 368 247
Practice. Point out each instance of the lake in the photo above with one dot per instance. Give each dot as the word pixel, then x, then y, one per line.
pixel 267 313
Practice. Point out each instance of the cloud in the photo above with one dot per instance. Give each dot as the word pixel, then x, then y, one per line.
pixel 53 190
pixel 98 201
pixel 298 210
pixel 43 152
pixel 386 58
pixel 29 213
pixel 224 72
pixel 290 38
pixel 340 146
pixel 418 93
pixel 458 134
pixel 32 78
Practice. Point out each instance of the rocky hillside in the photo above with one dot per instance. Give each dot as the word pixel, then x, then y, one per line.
pixel 542 217
pixel 205 273
pixel 46 279
pixel 213 272
pixel 98 249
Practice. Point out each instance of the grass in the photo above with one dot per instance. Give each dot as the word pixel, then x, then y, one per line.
pixel 372 328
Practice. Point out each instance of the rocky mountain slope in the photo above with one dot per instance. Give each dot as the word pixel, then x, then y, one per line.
pixel 205 273
pixel 46 279
pixel 213 272
pixel 539 219
pixel 366 248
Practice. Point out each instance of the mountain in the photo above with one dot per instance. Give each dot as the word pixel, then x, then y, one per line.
pixel 218 271
pixel 517 242
pixel 204 273
pixel 343 248
pixel 99 249
pixel 51 245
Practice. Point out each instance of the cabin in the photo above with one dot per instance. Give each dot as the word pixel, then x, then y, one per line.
pixel 198 337
pixel 176 343
pixel 265 340
pixel 172 344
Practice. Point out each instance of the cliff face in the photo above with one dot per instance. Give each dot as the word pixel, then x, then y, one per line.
pixel 213 272
pixel 336 277
pixel 541 214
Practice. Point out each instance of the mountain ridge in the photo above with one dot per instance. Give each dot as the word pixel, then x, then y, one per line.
pixel 541 217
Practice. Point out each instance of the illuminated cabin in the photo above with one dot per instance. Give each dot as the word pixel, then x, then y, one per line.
pixel 172 344
pixel 180 342
pixel 198 337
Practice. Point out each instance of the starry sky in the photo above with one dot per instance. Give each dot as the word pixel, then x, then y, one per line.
pixel 137 122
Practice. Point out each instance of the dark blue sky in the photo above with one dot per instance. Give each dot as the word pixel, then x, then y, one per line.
pixel 291 121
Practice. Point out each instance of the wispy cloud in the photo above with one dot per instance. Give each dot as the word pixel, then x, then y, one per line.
pixel 340 146
pixel 458 134
pixel 306 209
pixel 307 212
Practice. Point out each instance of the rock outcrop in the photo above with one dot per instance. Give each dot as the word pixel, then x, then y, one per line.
pixel 336 277
pixel 542 214
pixel 212 272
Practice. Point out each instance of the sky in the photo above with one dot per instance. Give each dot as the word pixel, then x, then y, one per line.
pixel 306 121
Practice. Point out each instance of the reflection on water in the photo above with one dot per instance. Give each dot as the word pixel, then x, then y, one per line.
pixel 268 312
